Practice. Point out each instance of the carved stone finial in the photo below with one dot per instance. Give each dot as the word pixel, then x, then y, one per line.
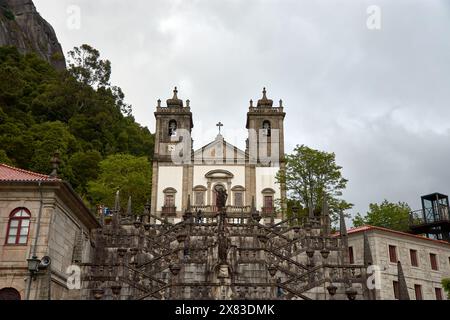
pixel 264 102
pixel 117 202
pixel 281 103
pixel 175 101
pixel 159 103
pixel 55 161
pixel 188 103
pixel 129 211
pixel 251 103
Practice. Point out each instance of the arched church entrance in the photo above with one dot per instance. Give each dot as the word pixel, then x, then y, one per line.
pixel 9 294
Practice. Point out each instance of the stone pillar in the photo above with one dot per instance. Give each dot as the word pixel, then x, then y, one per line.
pixel 229 193
pixel 209 203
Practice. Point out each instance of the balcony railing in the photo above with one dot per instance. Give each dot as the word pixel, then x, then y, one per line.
pixel 229 209
pixel 429 216
pixel 169 211
pixel 267 210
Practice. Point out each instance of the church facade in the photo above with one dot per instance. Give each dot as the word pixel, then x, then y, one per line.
pixel 183 176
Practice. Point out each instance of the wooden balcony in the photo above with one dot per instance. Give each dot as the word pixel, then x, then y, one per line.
pixel 169 211
pixel 267 211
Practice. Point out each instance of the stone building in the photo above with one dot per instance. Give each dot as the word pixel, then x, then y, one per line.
pixel 212 231
pixel 180 173
pixel 40 216
pixel 424 262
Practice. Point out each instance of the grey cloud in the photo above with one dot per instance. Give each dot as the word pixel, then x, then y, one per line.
pixel 378 99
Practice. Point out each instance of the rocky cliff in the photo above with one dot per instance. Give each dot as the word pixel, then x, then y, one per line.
pixel 23 27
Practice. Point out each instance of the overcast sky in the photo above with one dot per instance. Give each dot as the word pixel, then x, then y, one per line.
pixel 378 98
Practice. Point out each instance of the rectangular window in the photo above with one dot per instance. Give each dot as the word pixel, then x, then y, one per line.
pixel 413 255
pixel 199 198
pixel 169 201
pixel 438 292
pixel 393 254
pixel 238 199
pixel 418 291
pixel 268 201
pixel 351 255
pixel 396 289
pixel 433 261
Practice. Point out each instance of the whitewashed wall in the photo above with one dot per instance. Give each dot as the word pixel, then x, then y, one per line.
pixel 201 170
pixel 266 178
pixel 170 177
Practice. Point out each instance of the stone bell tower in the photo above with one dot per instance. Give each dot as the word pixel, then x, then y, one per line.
pixel 173 125
pixel 265 124
pixel 265 149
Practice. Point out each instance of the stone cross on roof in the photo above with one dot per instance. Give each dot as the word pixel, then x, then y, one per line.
pixel 220 125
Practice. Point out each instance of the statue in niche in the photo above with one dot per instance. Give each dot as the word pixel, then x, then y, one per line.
pixel 222 197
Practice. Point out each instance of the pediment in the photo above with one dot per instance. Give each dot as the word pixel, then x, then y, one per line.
pixel 219 151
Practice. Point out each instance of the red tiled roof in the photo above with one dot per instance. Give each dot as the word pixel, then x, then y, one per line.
pixel 367 228
pixel 8 173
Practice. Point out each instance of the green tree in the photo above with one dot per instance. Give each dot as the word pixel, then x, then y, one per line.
pixel 129 174
pixel 4 158
pixel 85 168
pixel 446 286
pixel 87 67
pixel 310 175
pixel 389 215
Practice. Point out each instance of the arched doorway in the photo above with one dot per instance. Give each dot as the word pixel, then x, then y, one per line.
pixel 9 294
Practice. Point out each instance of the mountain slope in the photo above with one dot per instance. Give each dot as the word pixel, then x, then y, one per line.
pixel 23 27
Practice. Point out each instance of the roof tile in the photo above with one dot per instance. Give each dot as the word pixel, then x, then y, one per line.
pixel 8 173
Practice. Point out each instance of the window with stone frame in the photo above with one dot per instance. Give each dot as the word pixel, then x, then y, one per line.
pixel 169 197
pixel 434 262
pixel 199 198
pixel 18 227
pixel 418 291
pixel 351 255
pixel 169 200
pixel 393 254
pixel 238 199
pixel 396 290
pixel 413 256
pixel 438 293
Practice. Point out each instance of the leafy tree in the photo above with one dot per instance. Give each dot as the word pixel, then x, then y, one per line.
pixel 387 214
pixel 4 158
pixel 85 167
pixel 310 175
pixel 86 119
pixel 87 67
pixel 129 174
pixel 446 286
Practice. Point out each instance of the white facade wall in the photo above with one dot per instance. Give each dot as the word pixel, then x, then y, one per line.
pixel 201 170
pixel 170 177
pixel 266 178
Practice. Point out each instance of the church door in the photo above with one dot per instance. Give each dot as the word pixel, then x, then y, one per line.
pixel 9 294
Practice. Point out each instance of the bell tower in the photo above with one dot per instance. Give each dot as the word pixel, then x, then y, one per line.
pixel 173 125
pixel 265 150
pixel 265 125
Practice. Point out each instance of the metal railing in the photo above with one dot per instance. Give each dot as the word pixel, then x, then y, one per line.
pixel 429 215
pixel 169 210
pixel 229 209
